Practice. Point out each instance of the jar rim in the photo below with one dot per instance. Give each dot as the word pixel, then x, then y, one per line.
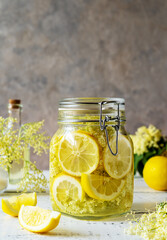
pixel 74 102
pixel 91 109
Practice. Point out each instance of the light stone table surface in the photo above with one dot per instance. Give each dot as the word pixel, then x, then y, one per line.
pixel 73 229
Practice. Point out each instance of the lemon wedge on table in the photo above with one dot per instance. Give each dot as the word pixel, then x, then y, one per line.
pixel 102 187
pixel 118 166
pixel 13 204
pixel 66 188
pixel 38 220
pixel 78 153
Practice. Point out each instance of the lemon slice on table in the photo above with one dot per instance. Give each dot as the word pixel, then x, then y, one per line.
pixel 118 166
pixel 66 188
pixel 101 187
pixel 37 219
pixel 13 204
pixel 78 153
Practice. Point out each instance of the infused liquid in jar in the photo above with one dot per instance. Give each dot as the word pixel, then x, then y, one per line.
pixel 91 159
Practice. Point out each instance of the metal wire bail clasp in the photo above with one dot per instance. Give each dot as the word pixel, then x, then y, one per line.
pixel 103 125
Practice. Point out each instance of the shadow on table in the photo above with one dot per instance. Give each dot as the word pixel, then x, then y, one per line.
pixel 143 207
pixel 138 209
pixel 62 232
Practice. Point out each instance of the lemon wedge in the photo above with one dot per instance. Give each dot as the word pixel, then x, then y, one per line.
pixel 78 153
pixel 118 166
pixel 13 204
pixel 101 187
pixel 37 219
pixel 66 188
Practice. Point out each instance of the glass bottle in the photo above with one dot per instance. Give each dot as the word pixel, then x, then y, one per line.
pixel 91 159
pixel 17 168
pixel 3 179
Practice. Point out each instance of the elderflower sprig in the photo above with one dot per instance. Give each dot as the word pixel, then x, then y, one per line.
pixel 12 148
pixel 147 142
pixel 33 180
pixel 151 225
pixel 145 138
pixel 29 135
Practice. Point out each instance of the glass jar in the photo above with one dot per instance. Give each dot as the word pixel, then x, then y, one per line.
pixel 91 159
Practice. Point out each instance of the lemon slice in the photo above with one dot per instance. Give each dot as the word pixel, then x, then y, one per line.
pixel 102 187
pixel 13 204
pixel 38 220
pixel 78 153
pixel 118 166
pixel 66 188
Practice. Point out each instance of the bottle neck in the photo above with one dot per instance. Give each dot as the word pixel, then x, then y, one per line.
pixel 16 114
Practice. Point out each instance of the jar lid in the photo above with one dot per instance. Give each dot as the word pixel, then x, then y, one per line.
pixel 91 103
pixel 90 109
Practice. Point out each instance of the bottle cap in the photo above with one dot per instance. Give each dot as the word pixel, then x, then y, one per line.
pixel 15 103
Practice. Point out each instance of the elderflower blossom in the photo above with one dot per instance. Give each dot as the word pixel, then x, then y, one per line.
pixel 146 138
pixel 12 148
pixel 151 226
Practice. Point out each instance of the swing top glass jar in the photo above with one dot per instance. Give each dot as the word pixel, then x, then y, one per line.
pixel 91 159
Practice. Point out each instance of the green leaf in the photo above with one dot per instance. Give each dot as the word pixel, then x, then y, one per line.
pixel 166 146
pixel 160 151
pixel 140 168
pixel 137 159
pixel 150 154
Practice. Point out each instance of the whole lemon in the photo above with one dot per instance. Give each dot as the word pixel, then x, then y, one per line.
pixel 155 173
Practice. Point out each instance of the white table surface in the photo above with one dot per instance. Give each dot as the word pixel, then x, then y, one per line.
pixel 72 229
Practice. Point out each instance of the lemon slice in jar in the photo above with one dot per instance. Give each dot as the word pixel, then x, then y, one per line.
pixel 78 153
pixel 66 188
pixel 102 187
pixel 37 219
pixel 118 166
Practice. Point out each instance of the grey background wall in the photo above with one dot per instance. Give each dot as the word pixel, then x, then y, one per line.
pixel 90 48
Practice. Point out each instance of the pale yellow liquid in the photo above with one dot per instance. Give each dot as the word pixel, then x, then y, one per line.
pixel 91 208
pixel 16 172
pixel 3 179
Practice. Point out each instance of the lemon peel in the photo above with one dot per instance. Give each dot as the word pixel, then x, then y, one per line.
pixel 155 173
pixel 12 205
pixel 102 187
pixel 37 219
pixel 66 188
pixel 118 166
pixel 78 153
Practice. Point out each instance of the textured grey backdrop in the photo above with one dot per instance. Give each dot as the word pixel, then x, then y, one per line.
pixel 51 49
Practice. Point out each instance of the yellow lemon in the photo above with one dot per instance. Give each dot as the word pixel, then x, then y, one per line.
pixel 66 188
pixel 13 204
pixel 78 153
pixel 37 219
pixel 155 173
pixel 118 166
pixel 102 187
